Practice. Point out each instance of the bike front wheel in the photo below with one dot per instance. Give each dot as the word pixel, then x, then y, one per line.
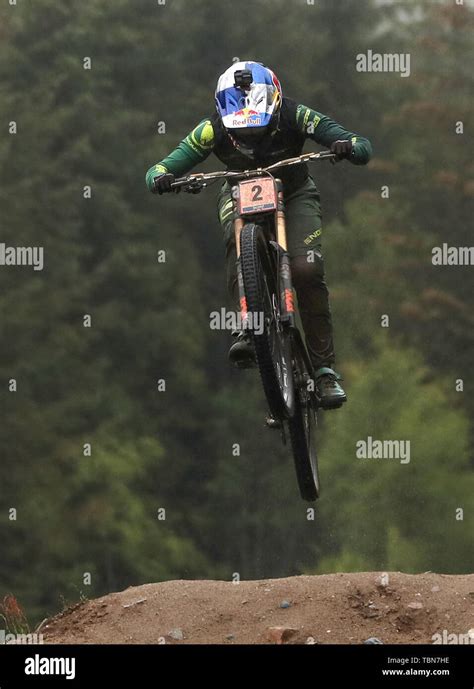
pixel 271 340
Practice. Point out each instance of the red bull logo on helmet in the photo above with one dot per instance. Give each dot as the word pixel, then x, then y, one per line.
pixel 246 118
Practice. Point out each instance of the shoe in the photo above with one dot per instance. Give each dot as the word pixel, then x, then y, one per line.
pixel 331 394
pixel 242 352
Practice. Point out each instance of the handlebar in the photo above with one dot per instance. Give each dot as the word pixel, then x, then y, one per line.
pixel 196 182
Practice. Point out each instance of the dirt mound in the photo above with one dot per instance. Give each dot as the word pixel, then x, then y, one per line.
pixel 330 608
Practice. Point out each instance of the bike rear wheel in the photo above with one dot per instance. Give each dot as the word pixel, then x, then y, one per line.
pixel 272 344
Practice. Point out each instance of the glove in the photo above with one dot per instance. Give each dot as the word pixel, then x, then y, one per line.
pixel 342 149
pixel 162 184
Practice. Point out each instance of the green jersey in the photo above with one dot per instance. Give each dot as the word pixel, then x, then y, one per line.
pixel 297 123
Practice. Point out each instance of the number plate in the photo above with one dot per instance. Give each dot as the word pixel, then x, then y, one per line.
pixel 257 196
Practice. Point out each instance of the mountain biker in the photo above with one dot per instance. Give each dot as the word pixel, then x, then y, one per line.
pixel 254 126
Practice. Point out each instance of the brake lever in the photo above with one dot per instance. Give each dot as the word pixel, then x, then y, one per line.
pixel 195 187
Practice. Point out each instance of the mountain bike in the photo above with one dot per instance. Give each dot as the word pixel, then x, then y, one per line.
pixel 266 296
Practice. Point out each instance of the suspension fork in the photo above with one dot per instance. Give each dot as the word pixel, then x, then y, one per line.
pixel 287 299
pixel 238 227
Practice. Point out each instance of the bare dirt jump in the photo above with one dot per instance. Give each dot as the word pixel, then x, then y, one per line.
pixel 324 609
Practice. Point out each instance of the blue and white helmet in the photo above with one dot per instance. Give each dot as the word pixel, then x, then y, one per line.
pixel 248 100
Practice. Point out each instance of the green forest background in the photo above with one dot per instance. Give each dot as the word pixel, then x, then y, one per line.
pixel 174 450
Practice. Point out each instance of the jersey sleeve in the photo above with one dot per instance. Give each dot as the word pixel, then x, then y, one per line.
pixel 191 151
pixel 324 131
